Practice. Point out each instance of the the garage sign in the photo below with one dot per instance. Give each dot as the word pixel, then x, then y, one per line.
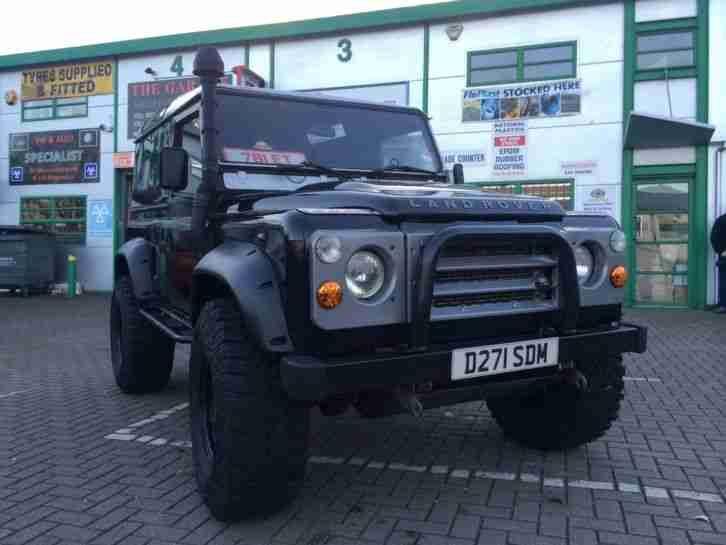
pixel 55 157
pixel 530 101
pixel 68 81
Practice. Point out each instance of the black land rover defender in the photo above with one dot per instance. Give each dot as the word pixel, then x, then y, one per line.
pixel 314 253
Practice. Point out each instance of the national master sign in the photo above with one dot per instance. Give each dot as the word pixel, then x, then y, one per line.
pixel 68 81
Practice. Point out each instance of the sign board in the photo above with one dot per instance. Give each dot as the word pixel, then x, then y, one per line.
pixel 598 199
pixel 387 93
pixel 99 218
pixel 123 159
pixel 147 98
pixel 55 157
pixel 68 81
pixel 578 169
pixel 524 101
pixel 467 157
pixel 509 143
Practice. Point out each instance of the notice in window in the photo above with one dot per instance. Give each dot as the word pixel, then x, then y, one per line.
pixel 509 148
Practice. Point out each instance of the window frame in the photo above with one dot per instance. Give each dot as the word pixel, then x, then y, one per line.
pixel 54 106
pixel 666 49
pixel 63 239
pixel 520 65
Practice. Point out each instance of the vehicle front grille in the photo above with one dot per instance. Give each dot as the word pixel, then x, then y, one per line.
pixel 476 279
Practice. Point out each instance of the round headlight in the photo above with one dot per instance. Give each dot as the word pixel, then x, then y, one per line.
pixel 327 248
pixel 617 241
pixel 364 274
pixel 585 262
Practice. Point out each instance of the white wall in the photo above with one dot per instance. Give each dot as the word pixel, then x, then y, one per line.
pixel 595 134
pixel 97 252
pixel 375 57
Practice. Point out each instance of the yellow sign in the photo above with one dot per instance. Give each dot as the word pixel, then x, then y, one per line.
pixel 68 81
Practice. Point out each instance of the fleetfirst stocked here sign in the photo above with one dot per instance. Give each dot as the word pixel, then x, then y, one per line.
pixel 55 157
pixel 68 81
pixel 509 148
pixel 541 100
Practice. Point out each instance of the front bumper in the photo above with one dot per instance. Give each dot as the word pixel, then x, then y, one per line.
pixel 308 378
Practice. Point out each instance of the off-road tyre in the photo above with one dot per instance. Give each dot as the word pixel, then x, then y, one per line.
pixel 249 440
pixel 560 416
pixel 142 356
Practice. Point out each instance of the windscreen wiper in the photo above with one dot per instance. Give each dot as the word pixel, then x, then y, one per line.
pixel 403 168
pixel 327 171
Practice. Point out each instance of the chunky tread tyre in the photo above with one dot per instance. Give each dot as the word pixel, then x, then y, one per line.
pixel 141 355
pixel 249 440
pixel 560 416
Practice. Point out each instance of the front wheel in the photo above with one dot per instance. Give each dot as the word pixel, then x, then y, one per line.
pixel 249 440
pixel 142 356
pixel 560 416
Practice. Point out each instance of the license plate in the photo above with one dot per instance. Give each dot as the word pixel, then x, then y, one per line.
pixel 496 359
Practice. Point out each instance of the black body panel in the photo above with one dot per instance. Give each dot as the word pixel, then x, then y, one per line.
pixel 314 379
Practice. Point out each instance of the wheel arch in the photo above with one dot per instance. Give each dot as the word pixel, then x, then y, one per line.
pixel 242 271
pixel 135 259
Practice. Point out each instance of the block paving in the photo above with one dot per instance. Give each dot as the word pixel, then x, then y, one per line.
pixel 82 463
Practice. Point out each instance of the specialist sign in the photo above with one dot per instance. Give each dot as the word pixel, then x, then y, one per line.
pixel 509 148
pixel 523 101
pixel 55 157
pixel 68 81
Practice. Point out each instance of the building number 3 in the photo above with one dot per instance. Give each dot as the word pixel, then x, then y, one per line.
pixel 344 50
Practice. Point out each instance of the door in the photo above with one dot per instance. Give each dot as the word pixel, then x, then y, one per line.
pixel 177 243
pixel 661 240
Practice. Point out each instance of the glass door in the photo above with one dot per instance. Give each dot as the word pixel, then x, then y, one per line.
pixel 661 233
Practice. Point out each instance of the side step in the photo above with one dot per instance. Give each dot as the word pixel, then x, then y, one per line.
pixel 169 323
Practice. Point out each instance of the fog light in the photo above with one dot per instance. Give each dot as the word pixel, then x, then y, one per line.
pixel 618 276
pixel 329 295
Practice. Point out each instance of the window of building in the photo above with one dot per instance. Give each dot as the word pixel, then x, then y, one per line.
pixel 560 191
pixel 532 63
pixel 55 108
pixel 63 216
pixel 673 49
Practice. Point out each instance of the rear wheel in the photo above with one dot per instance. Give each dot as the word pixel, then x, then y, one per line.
pixel 249 440
pixel 561 416
pixel 141 355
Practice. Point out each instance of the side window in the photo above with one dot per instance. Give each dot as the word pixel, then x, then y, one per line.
pixel 189 137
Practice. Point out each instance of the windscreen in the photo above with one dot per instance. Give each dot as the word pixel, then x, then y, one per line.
pixel 276 130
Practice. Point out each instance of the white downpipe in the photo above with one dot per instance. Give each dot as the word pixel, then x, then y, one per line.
pixel 717 208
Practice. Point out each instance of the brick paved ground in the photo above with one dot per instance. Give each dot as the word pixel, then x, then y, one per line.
pixel 658 476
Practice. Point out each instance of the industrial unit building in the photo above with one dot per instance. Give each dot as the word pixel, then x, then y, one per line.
pixel 606 106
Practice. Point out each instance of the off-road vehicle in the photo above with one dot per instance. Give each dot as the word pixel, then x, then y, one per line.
pixel 314 252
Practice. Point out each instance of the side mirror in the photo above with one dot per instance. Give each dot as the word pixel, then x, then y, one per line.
pixel 173 168
pixel 458 172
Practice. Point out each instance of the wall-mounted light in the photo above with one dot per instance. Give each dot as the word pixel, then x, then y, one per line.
pixel 105 128
pixel 454 30
pixel 149 70
pixel 11 97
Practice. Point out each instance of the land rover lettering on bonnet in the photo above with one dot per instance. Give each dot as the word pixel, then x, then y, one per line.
pixel 314 252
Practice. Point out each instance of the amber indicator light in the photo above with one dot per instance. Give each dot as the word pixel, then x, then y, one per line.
pixel 329 294
pixel 618 276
